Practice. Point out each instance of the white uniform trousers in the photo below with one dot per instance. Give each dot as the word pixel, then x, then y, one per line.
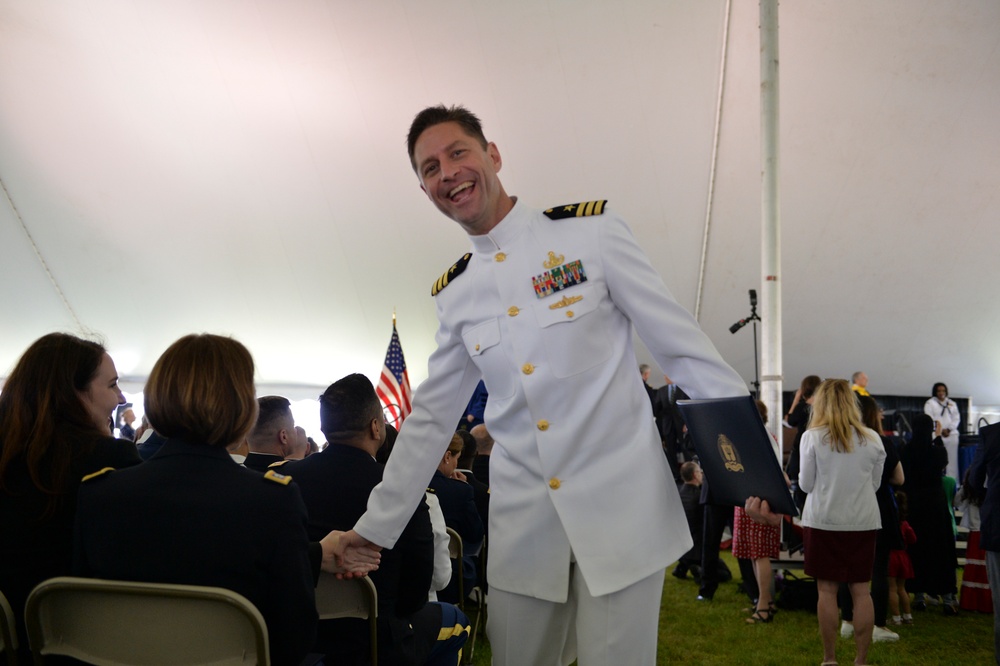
pixel 618 629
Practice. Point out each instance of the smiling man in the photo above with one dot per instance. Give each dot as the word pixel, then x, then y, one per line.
pixel 584 514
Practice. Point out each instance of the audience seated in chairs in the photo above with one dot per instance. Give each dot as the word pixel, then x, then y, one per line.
pixel 458 504
pixel 190 515
pixel 55 428
pixel 335 485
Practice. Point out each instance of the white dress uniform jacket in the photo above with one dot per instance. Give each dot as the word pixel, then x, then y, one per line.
pixel 577 472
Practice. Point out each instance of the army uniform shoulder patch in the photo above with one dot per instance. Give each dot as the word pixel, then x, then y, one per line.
pixel 431 491
pixel 283 479
pixel 98 473
pixel 451 274
pixel 583 209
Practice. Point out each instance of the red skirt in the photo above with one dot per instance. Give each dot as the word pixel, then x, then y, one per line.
pixel 842 557
pixel 900 565
pixel 975 594
pixel 753 541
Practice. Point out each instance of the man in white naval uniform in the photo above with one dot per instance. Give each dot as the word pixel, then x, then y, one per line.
pixel 584 514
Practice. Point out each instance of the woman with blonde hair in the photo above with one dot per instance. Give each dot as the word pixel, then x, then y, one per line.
pixel 841 469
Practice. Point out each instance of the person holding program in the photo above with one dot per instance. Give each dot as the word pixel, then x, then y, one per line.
pixel 542 310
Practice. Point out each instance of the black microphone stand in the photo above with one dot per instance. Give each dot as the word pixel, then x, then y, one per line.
pixel 740 324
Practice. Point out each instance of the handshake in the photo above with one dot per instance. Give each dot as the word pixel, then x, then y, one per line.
pixel 349 555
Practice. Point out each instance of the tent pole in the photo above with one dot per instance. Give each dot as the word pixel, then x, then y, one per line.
pixel 771 379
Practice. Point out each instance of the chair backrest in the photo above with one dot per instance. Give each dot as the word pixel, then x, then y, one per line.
pixel 8 631
pixel 106 622
pixel 454 545
pixel 455 550
pixel 349 597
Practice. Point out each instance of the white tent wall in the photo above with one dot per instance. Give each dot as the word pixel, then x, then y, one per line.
pixel 240 168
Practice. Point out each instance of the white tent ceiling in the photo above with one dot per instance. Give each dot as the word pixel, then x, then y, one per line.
pixel 239 167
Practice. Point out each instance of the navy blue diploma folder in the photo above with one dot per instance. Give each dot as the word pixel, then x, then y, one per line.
pixel 735 452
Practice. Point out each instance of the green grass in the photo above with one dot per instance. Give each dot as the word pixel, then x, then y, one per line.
pixel 697 632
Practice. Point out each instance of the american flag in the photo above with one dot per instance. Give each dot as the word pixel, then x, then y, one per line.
pixel 394 384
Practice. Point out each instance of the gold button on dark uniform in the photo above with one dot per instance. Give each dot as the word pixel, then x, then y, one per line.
pixel 527 368
pixel 554 483
pixel 543 425
pixel 513 311
pixel 499 256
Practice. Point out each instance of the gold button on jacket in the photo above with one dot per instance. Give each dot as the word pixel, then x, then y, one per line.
pixel 554 483
pixel 527 368
pixel 543 425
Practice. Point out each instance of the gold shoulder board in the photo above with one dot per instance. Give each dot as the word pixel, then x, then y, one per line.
pixel 582 209
pixel 283 479
pixel 451 273
pixel 100 472
pixel 277 464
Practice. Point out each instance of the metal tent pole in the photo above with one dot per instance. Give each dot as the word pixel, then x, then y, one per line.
pixel 771 379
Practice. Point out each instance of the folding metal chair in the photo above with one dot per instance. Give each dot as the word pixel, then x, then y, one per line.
pixel 353 597
pixel 8 632
pixel 111 623
pixel 455 551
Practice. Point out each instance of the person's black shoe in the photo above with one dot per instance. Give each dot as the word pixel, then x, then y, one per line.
pixel 679 573
pixel 920 605
pixel 950 608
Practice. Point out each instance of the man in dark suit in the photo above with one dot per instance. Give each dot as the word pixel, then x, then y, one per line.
pixel 273 437
pixel 335 486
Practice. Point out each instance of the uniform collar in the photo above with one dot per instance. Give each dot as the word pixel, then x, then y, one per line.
pixel 181 447
pixel 503 234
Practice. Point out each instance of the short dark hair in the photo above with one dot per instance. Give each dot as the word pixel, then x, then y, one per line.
pixel 201 389
pixel 469 449
pixel 271 409
pixel 348 406
pixel 934 390
pixel 435 115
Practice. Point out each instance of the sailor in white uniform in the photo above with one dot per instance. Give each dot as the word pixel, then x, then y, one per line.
pixel 584 514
